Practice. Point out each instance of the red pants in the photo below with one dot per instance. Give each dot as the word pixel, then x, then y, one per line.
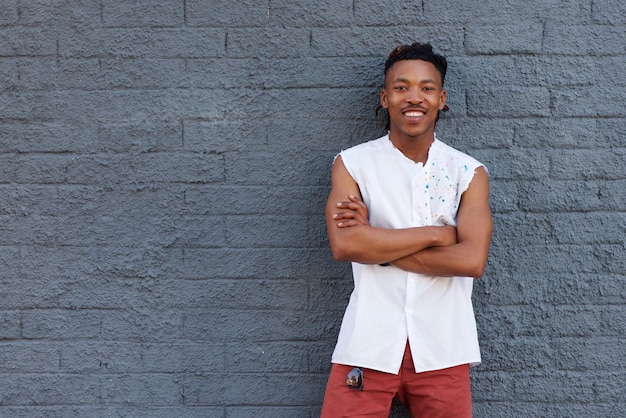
pixel 436 394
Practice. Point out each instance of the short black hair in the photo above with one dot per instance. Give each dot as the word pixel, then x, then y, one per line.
pixel 417 51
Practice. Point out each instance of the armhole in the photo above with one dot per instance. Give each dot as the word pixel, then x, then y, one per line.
pixel 468 179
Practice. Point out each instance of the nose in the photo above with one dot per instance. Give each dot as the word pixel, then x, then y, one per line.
pixel 415 95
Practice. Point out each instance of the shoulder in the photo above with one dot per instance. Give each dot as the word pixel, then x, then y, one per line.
pixel 455 157
pixel 367 147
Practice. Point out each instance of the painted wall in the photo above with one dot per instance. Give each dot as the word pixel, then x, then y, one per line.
pixel 164 167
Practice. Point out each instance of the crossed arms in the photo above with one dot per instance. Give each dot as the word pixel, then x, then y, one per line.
pixel 430 250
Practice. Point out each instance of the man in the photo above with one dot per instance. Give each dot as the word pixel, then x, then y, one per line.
pixel 412 215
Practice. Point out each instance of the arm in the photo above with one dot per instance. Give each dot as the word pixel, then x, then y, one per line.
pixel 352 238
pixel 474 227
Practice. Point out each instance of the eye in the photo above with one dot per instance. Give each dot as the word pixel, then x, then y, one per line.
pixel 400 88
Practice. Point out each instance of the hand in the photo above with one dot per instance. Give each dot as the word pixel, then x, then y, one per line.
pixel 355 215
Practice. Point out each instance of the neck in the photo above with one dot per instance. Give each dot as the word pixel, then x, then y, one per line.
pixel 414 148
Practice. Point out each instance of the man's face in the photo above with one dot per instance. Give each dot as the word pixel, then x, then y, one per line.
pixel 413 95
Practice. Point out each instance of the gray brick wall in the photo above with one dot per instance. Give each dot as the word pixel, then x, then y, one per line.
pixel 163 171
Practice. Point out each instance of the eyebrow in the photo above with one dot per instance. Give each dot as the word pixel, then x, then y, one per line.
pixel 404 80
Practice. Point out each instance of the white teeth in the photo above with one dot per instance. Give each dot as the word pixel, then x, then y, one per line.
pixel 414 114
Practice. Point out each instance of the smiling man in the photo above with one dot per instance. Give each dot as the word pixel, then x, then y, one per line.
pixel 412 215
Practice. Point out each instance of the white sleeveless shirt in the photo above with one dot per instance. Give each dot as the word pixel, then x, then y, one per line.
pixel 389 305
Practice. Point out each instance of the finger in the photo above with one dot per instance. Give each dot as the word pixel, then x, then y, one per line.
pixel 357 200
pixel 348 223
pixel 344 215
pixel 356 206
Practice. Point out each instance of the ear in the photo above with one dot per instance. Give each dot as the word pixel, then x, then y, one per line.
pixel 383 99
pixel 442 99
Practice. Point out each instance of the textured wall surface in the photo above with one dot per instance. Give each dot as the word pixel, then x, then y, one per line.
pixel 164 166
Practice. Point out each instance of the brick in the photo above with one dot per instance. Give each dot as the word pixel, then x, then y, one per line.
pixel 563 195
pixel 273 411
pixel 611 12
pixel 515 163
pixel 11 323
pixel 142 73
pixel 151 326
pixel 263 357
pixel 222 293
pixel 208 263
pixel 50 389
pixel 253 325
pixel 37 411
pixel 85 200
pixel 529 354
pixel 267 231
pixel 503 195
pixel 236 13
pixel 388 12
pixel 25 41
pixel 588 102
pixel 568 354
pixel 9 13
pixel 467 134
pixel 109 261
pixel 332 294
pixel 542 321
pixel 338 105
pixel 139 137
pixel 477 71
pixel 315 137
pixel 533 225
pixel 29 357
pixel 158 43
pixel 512 409
pixel 511 12
pixel 84 231
pixel 510 102
pixel 39 137
pixel 584 39
pixel 304 13
pixel 578 133
pixel 56 291
pixel 343 72
pixel 61 324
pixel 535 388
pixel 516 288
pixel 378 42
pixel 148 390
pixel 520 38
pixel 9 74
pixel 198 168
pixel 60 13
pixel 209 73
pixel 127 357
pixel 285 199
pixel 563 70
pixel 268 42
pixel 127 13
pixel 247 168
pixel 224 135
pixel 51 74
pixel 611 132
pixel 285 389
pixel 320 353
pixel 580 164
